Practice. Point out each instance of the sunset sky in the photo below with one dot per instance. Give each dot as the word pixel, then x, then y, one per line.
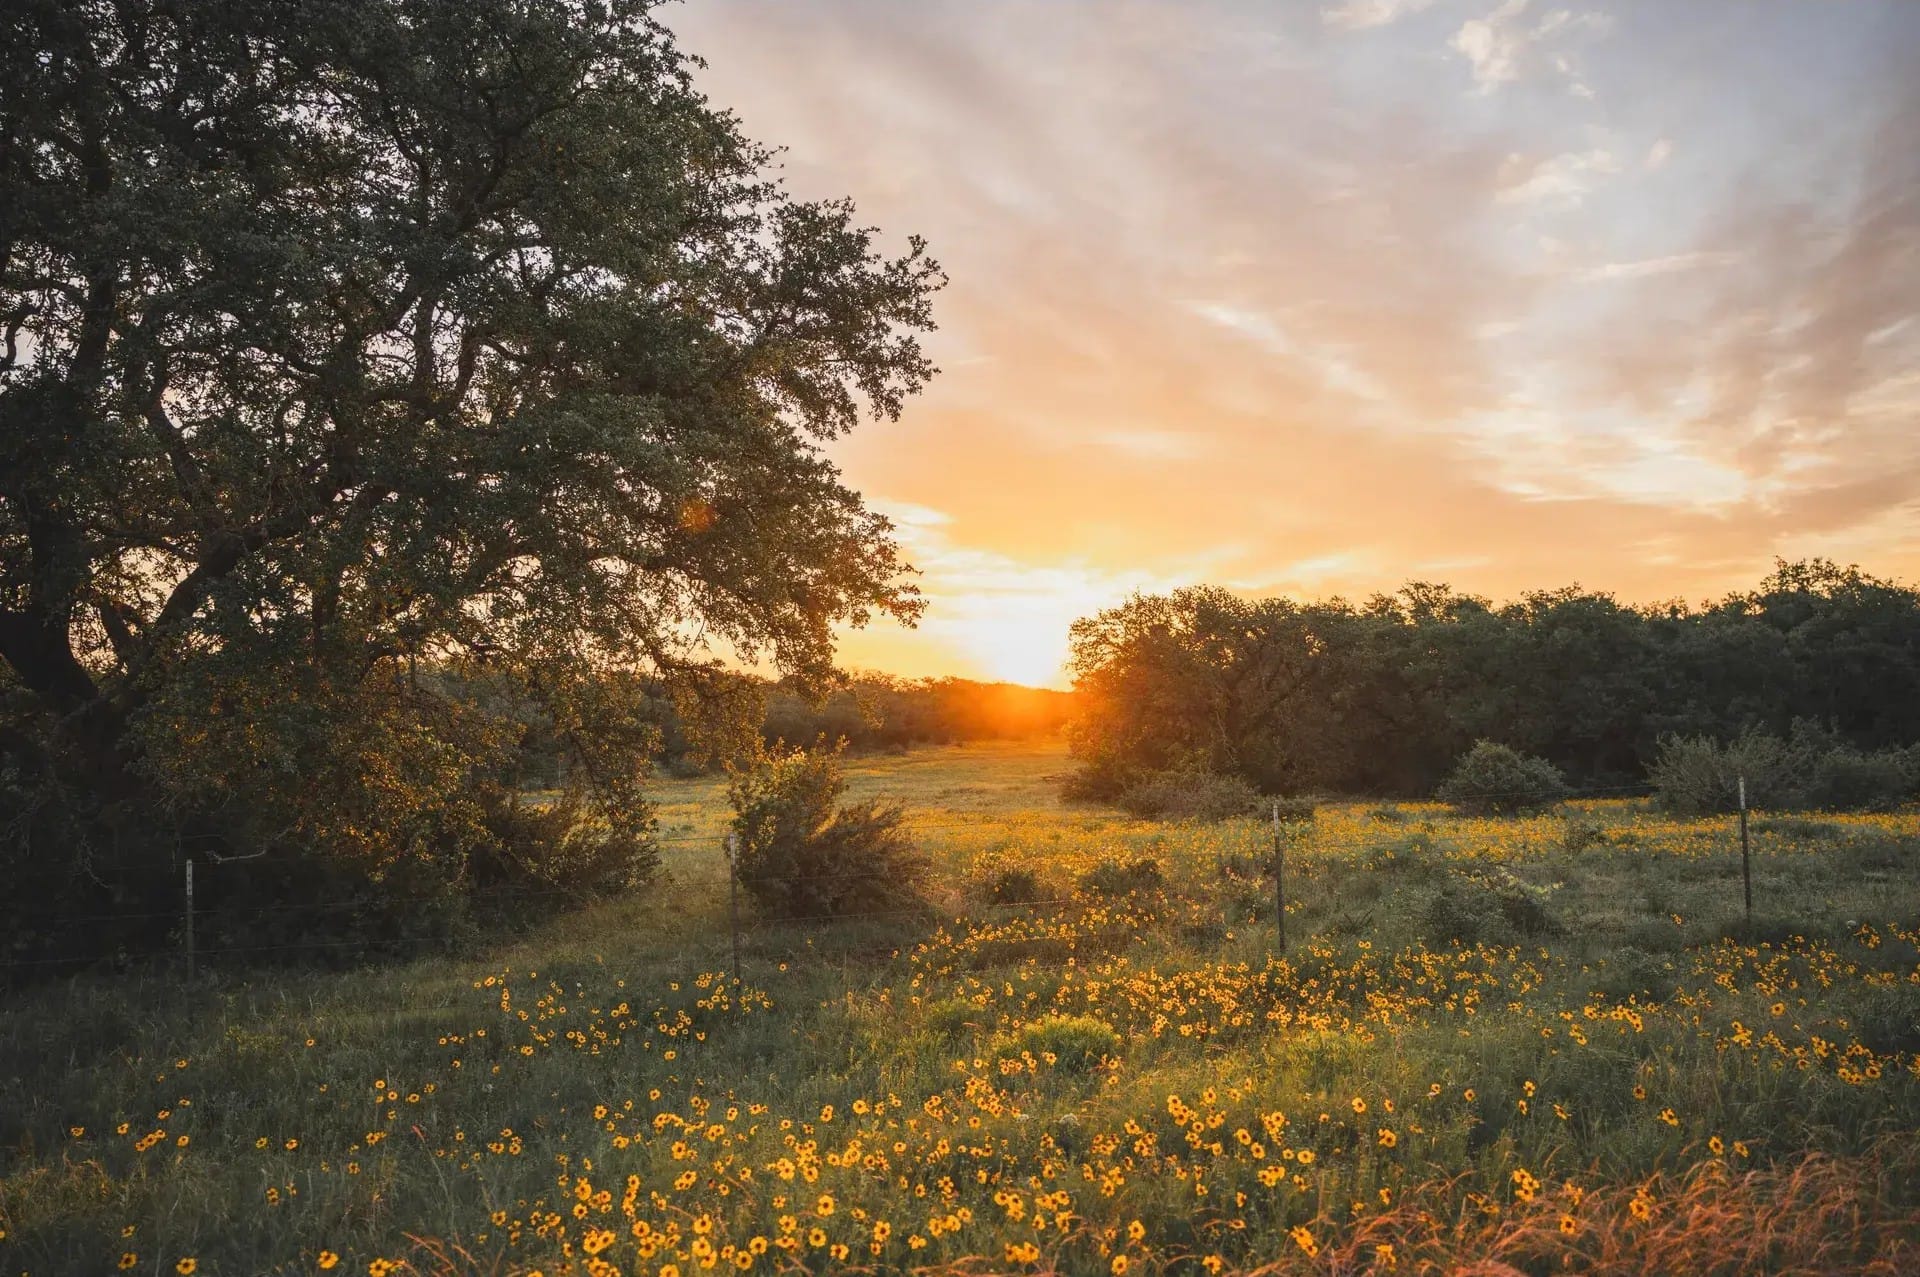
pixel 1322 298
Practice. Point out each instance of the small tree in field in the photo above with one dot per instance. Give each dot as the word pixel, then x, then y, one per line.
pixel 1495 779
pixel 802 853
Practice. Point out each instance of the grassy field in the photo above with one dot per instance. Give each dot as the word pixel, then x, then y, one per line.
pixel 1541 1045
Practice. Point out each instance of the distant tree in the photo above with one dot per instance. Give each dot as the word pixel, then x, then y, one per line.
pixel 346 341
pixel 1385 696
pixel 1199 679
pixel 1811 770
pixel 1492 778
pixel 880 711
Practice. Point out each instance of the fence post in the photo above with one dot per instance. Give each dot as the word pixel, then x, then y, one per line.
pixel 1279 879
pixel 1746 857
pixel 189 918
pixel 733 898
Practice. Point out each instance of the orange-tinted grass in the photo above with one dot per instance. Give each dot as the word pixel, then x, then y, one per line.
pixel 1813 1216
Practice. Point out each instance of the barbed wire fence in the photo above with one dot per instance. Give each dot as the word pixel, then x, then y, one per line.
pixel 1287 834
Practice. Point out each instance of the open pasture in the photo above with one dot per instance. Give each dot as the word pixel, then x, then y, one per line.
pixel 1551 1043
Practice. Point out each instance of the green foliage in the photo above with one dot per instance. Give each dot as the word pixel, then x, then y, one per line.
pixel 1186 794
pixel 1014 887
pixel 1812 770
pixel 1114 877
pixel 1153 696
pixel 1842 778
pixel 563 843
pixel 1487 903
pixel 1294 812
pixel 1696 775
pixel 1100 779
pixel 1493 778
pixel 387 390
pixel 1582 833
pixel 801 853
pixel 1383 696
pixel 1067 1043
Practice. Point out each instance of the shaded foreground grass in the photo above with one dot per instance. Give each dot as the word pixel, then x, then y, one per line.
pixel 1540 1045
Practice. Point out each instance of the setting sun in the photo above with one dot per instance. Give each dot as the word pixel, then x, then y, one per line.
pixel 1022 638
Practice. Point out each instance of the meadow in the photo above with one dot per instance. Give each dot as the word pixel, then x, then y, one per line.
pixel 1544 1044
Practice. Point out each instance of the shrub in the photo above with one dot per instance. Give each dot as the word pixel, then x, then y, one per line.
pixel 1413 855
pixel 1494 779
pixel 1294 811
pixel 1099 780
pixel 1846 779
pixel 1813 770
pixel 1488 904
pixel 1582 833
pixel 560 843
pixel 802 854
pixel 950 1019
pixel 1113 877
pixel 1071 1044
pixel 685 767
pixel 1698 776
pixel 1189 794
pixel 1014 887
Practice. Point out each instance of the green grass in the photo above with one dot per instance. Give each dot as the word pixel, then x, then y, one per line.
pixel 1402 1071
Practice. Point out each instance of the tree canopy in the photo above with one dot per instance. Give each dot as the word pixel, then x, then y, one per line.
pixel 1384 696
pixel 347 346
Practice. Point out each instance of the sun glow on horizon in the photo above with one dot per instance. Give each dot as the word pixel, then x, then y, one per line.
pixel 1029 649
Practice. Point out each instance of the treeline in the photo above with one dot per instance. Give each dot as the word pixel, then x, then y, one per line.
pixel 1385 696
pixel 870 711
pixel 879 711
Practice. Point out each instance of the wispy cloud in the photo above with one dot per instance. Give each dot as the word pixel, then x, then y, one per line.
pixel 1494 45
pixel 1500 46
pixel 1561 179
pixel 1155 445
pixel 1650 266
pixel 1358 15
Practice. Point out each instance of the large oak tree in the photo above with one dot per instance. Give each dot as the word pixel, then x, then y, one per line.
pixel 347 346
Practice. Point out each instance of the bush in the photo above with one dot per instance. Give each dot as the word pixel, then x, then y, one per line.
pixel 1099 780
pixel 1189 794
pixel 1846 779
pixel 1493 779
pixel 560 843
pixel 1813 770
pixel 1013 887
pixel 1488 904
pixel 1583 833
pixel 1114 878
pixel 801 855
pixel 1071 1044
pixel 1699 776
pixel 950 1019
pixel 1291 811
